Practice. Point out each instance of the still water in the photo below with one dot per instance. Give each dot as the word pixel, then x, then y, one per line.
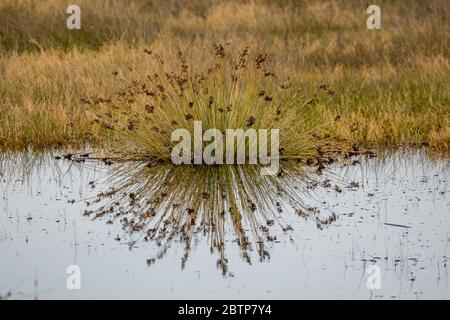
pixel 162 233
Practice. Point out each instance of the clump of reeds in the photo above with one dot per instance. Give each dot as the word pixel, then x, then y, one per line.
pixel 233 93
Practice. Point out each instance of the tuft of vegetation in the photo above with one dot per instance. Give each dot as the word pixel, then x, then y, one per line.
pixel 233 93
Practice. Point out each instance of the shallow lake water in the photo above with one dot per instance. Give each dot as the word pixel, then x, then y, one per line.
pixel 391 212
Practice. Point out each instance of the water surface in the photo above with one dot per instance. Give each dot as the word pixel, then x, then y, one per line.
pixel 295 236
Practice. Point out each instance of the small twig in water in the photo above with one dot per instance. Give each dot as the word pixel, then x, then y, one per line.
pixel 396 225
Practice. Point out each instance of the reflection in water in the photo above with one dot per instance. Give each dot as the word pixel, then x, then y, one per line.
pixel 42 230
pixel 227 204
pixel 164 202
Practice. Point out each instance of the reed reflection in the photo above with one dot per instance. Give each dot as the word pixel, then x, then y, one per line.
pixel 164 202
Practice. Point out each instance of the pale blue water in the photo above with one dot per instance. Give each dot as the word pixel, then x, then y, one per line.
pixel 41 234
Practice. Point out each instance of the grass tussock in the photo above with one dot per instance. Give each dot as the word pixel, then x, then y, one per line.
pixel 388 88
pixel 232 93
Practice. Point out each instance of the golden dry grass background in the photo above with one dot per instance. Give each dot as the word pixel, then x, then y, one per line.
pixel 391 87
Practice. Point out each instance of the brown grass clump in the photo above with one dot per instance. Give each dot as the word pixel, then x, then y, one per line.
pixel 231 93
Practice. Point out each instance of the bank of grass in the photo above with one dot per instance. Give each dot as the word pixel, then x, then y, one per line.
pixel 386 88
